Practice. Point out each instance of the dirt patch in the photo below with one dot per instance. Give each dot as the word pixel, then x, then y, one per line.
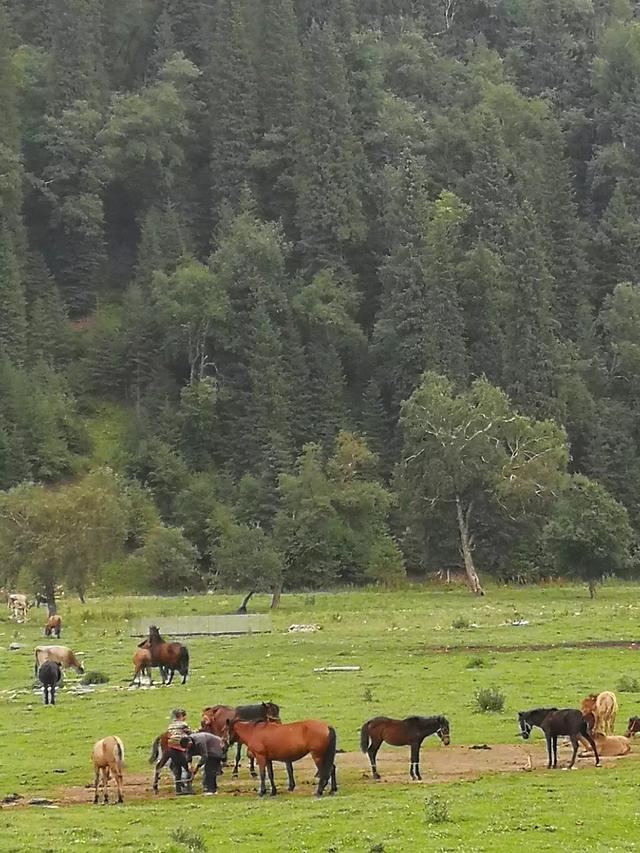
pixel 440 764
pixel 537 647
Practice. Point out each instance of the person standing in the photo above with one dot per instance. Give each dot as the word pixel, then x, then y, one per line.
pixel 178 730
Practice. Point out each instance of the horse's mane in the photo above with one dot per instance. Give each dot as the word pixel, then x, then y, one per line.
pixel 440 719
pixel 537 711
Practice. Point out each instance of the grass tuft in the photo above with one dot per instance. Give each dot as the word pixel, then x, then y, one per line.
pixel 436 809
pixel 489 699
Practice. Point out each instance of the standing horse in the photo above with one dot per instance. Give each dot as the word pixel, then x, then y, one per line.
pixel 53 626
pixel 168 656
pixel 289 742
pixel 216 720
pixel 408 732
pixel 554 723
pixel 49 676
pixel 108 756
pixel 604 707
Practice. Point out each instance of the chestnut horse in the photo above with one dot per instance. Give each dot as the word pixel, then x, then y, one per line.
pixel 160 755
pixel 408 732
pixel 108 756
pixel 168 656
pixel 216 719
pixel 289 742
pixel 53 626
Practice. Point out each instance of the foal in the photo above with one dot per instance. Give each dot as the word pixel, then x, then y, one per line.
pixel 408 732
pixel 554 723
pixel 108 756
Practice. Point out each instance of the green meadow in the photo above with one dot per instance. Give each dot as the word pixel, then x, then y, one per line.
pixel 412 659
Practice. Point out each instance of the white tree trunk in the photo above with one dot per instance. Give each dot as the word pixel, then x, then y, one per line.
pixel 466 548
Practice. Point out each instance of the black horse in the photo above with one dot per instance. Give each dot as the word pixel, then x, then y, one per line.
pixel 49 676
pixel 556 723
pixel 408 732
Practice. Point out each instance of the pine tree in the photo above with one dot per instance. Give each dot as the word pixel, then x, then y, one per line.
pixel 77 61
pixel 12 302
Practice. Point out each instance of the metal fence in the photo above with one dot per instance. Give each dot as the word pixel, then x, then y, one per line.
pixel 186 626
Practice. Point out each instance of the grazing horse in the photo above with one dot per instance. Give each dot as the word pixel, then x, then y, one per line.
pixel 554 723
pixel 49 676
pixel 168 656
pixel 53 626
pixel 633 726
pixel 108 756
pixel 289 742
pixel 58 654
pixel 216 720
pixel 604 707
pixel 408 732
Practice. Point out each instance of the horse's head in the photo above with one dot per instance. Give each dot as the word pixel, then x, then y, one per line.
pixel 271 712
pixel 525 725
pixel 633 726
pixel 443 731
pixel 154 634
pixel 588 704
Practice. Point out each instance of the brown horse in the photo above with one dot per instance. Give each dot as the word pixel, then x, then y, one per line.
pixel 408 732
pixel 289 742
pixel 108 756
pixel 159 755
pixel 53 626
pixel 216 720
pixel 633 727
pixel 168 656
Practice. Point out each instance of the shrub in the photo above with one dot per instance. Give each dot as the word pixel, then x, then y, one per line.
pixel 436 809
pixel 460 622
pixel 191 840
pixel 94 677
pixel 489 699
pixel 627 684
pixel 367 696
pixel 476 663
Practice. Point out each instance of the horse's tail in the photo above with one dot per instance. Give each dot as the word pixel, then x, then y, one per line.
pixel 183 663
pixel 365 740
pixel 155 751
pixel 329 757
pixel 119 753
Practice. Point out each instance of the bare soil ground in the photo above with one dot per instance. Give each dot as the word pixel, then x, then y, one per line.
pixel 441 764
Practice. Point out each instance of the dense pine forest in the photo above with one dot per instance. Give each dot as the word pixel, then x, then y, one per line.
pixel 305 292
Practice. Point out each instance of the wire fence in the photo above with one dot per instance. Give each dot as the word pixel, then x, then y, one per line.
pixel 186 626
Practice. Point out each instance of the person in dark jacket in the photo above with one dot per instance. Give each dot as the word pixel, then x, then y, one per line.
pixel 212 751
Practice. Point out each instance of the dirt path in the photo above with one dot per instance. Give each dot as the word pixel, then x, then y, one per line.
pixel 440 764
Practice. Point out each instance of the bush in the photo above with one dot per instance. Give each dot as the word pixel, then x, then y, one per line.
pixel 627 684
pixel 94 677
pixel 489 699
pixel 476 663
pixel 460 622
pixel 436 809
pixel 191 840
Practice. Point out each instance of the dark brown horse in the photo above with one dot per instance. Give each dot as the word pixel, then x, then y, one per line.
pixel 408 732
pixel 289 742
pixel 633 727
pixel 556 723
pixel 216 719
pixel 168 656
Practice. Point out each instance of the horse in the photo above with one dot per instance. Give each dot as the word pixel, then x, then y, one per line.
pixel 633 727
pixel 53 626
pixel 49 675
pixel 215 719
pixel 604 707
pixel 58 654
pixel 408 732
pixel 608 746
pixel 168 656
pixel 108 756
pixel 289 742
pixel 142 666
pixel 554 723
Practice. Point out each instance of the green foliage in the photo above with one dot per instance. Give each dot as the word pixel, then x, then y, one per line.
pixel 489 699
pixel 94 677
pixel 628 684
pixel 436 809
pixel 166 562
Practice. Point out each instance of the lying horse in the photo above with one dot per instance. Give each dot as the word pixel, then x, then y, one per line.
pixel 554 723
pixel 108 756
pixel 408 732
pixel 608 746
pixel 168 656
pixel 49 676
pixel 604 707
pixel 289 742
pixel 53 626
pixel 216 719
pixel 58 654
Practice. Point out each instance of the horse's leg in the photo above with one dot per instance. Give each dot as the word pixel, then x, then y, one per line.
pixel 271 779
pixel 262 790
pixel 252 764
pixel 95 784
pixel 593 747
pixel 549 751
pixel 291 782
pixel 156 773
pixel 105 782
pixel 555 752
pixel 574 743
pixel 53 694
pixel 117 775
pixel 171 673
pixel 234 772
pixel 372 751
pixel 334 783
pixel 318 757
pixel 417 762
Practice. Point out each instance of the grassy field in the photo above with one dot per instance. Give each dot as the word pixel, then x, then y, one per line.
pixel 392 637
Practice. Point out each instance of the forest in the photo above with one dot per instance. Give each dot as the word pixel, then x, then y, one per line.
pixel 303 293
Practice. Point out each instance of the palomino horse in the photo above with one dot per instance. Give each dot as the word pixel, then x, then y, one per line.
pixel 408 732
pixel 108 756
pixel 168 656
pixel 555 723
pixel 604 707
pixel 216 720
pixel 49 676
pixel 289 742
pixel 58 654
